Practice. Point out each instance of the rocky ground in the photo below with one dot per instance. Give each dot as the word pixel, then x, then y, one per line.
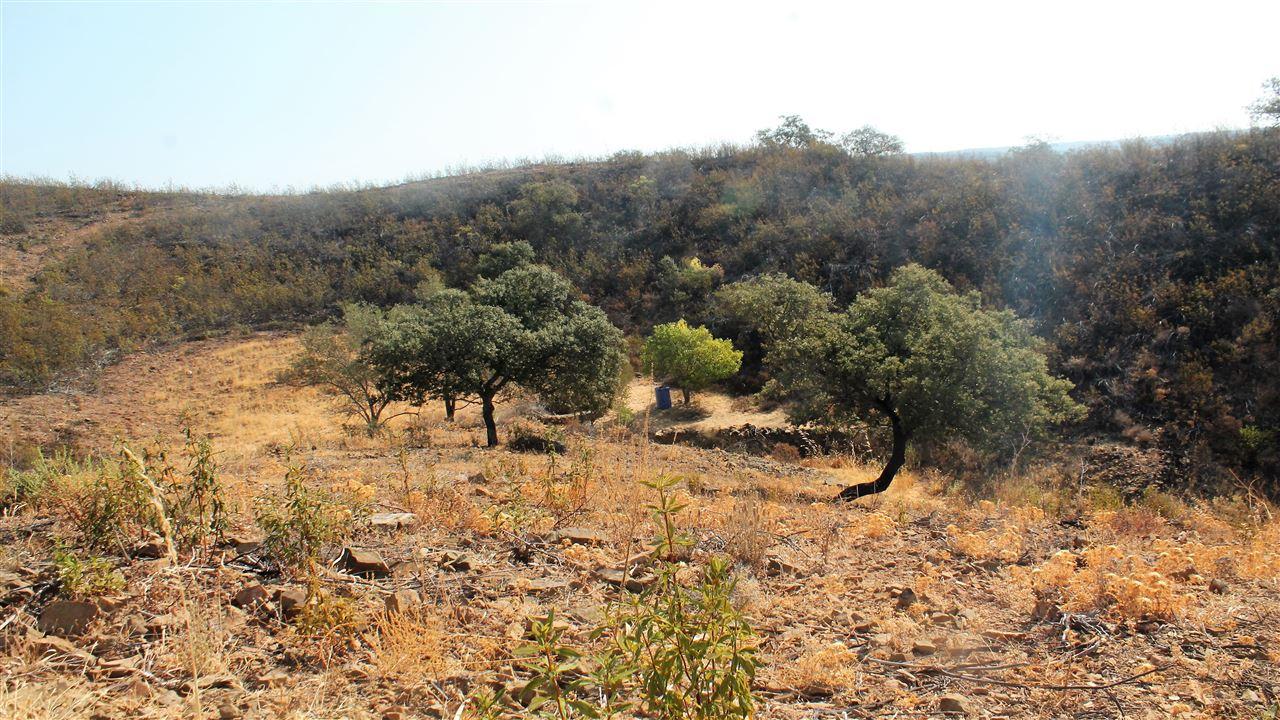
pixel 1044 599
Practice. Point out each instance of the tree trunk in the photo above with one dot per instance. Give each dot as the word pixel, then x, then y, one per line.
pixel 450 404
pixel 490 427
pixel 684 393
pixel 897 459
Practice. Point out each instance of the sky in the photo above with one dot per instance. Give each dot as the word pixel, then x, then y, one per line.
pixel 294 95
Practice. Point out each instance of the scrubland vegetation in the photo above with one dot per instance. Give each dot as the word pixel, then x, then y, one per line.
pixel 575 584
pixel 1149 269
pixel 393 452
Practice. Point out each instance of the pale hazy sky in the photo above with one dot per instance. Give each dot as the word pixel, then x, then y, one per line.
pixel 275 95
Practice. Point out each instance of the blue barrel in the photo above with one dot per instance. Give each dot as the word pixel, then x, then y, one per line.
pixel 662 395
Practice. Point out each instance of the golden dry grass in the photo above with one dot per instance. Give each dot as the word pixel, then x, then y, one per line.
pixel 977 568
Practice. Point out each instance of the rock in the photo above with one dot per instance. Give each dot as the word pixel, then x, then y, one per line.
pixel 273 678
pixel 1002 635
pixel 457 561
pixel 229 712
pixel 477 477
pixel 153 549
pixel 209 682
pixel 897 657
pixel 907 598
pixel 954 704
pixel 1250 696
pixel 244 544
pixel 856 622
pixel 110 604
pixel 402 600
pixel 1218 585
pixel 640 561
pixel 577 536
pixel 140 689
pixel 67 617
pixel 364 562
pixel 251 596
pixel 160 623
pixel 119 667
pixel 618 578
pixel 943 619
pixel 1046 609
pixel 921 648
pixel 46 644
pixel 540 585
pixel 777 566
pixel 392 520
pixel 291 601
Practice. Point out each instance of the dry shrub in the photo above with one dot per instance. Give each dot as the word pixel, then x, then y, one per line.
pixel 1131 521
pixel 828 670
pixel 62 700
pixel 199 645
pixel 1004 540
pixel 1107 579
pixel 326 629
pixel 750 528
pixel 875 526
pixel 1260 558
pixel 410 647
pixel 785 452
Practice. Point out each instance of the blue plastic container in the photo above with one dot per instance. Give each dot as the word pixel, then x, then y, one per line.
pixel 662 396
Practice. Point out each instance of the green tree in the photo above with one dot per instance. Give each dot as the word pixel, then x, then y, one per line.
pixel 686 285
pixel 767 312
pixel 867 141
pixel 332 359
pixel 690 358
pixel 503 257
pixel 933 363
pixel 524 328
pixel 1268 107
pixel 792 132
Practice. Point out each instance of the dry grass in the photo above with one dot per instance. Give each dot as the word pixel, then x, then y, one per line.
pixel 974 567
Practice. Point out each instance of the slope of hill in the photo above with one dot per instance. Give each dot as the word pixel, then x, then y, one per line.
pixel 1052 600
pixel 1150 269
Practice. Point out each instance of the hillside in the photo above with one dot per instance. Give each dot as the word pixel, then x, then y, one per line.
pixel 1049 599
pixel 1149 269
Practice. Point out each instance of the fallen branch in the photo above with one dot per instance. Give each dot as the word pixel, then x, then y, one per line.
pixel 1008 683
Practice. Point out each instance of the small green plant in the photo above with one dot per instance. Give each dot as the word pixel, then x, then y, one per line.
pixel 194 498
pixel 108 506
pixel 82 579
pixel 556 672
pixel 329 623
pixel 671 542
pixel 693 652
pixel 681 652
pixel 19 488
pixel 301 524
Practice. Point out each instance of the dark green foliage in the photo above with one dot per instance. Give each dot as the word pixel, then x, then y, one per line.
pixel 763 313
pixel 503 257
pixel 932 363
pixel 523 328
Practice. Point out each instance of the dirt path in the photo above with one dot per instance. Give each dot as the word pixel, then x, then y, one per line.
pixel 709 410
